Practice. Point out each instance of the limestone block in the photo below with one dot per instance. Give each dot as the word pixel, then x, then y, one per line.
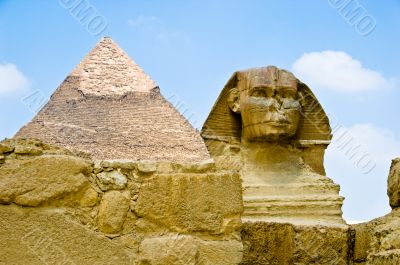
pixel 228 162
pixel 190 202
pixel 113 209
pixel 165 167
pixel 206 165
pixel 130 241
pixel 391 257
pixel 227 252
pixel 49 236
pixel 391 241
pixel 89 197
pixel 37 180
pixel 321 245
pixel 120 163
pixel 267 243
pixel 279 243
pixel 199 167
pixel 186 250
pixel 147 166
pixel 97 167
pixel 129 225
pixel 27 150
pixel 5 148
pixel 111 180
pixel 148 228
pixel 168 250
pixel 362 240
pixel 394 183
pixel 381 236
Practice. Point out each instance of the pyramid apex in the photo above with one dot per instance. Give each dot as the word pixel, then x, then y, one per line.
pixel 108 70
pixel 106 39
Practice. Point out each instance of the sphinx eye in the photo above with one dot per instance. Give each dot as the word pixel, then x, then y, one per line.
pixel 289 93
pixel 258 92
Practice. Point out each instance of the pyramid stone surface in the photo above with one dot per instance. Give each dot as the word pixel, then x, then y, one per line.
pixel 108 70
pixel 109 107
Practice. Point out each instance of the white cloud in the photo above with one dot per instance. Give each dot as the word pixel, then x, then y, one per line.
pixel 364 187
pixel 338 71
pixel 11 79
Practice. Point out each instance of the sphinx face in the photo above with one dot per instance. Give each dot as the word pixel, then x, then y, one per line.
pixel 269 108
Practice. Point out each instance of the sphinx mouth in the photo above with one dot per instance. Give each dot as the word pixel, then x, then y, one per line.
pixel 258 110
pixel 271 123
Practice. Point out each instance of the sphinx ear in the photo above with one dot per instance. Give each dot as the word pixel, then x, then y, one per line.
pixel 233 100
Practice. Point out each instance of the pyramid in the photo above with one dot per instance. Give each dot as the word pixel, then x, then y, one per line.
pixel 110 108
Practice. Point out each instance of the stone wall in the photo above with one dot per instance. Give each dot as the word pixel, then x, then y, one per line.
pixel 60 206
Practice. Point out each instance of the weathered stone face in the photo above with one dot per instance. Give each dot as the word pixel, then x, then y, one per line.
pixel 268 101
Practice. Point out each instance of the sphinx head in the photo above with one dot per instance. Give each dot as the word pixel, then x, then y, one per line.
pixel 268 101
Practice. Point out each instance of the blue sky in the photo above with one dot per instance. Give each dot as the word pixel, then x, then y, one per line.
pixel 190 48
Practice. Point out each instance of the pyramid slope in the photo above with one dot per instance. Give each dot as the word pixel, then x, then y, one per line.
pixel 115 114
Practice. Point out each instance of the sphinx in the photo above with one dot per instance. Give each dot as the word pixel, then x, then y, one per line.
pixel 268 125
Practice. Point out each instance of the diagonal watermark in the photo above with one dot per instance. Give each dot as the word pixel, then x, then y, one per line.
pixel 316 250
pixel 35 101
pixel 356 15
pixel 86 14
pixel 346 143
pixel 45 248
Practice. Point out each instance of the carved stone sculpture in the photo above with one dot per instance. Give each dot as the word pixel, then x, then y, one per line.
pixel 269 125
pixel 268 101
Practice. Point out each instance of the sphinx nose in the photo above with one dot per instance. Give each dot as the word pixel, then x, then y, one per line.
pixel 271 92
pixel 273 104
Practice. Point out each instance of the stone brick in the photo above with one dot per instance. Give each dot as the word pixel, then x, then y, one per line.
pixel 27 150
pixel 5 148
pixel 280 243
pixel 190 202
pixel 183 249
pixel 113 209
pixel 111 180
pixel 37 236
pixel 41 179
